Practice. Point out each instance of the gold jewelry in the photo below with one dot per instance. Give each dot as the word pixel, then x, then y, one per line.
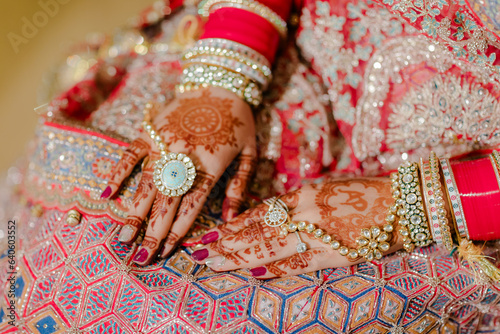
pixel 73 218
pixel 232 55
pixel 227 48
pixel 198 76
pixel 414 228
pixel 174 173
pixel 440 205
pixel 371 243
pixel 207 7
pixel 231 64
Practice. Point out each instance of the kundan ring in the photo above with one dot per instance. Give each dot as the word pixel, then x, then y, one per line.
pixel 277 214
pixel 174 173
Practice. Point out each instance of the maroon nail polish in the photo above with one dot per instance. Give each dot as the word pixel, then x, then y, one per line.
pixel 106 192
pixel 200 254
pixel 259 271
pixel 141 256
pixel 210 237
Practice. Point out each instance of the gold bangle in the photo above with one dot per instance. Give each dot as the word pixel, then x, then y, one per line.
pixel 206 7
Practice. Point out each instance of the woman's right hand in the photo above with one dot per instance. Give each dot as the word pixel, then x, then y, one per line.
pixel 213 127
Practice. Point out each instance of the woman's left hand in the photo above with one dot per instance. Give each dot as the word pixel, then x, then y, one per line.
pixel 340 208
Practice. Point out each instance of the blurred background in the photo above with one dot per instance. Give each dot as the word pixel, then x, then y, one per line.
pixel 29 51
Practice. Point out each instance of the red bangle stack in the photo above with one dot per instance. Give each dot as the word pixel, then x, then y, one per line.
pixel 247 28
pixel 479 191
pixel 243 27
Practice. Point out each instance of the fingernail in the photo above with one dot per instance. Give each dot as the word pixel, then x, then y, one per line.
pixel 141 256
pixel 200 254
pixel 126 233
pixel 216 261
pixel 210 237
pixel 106 192
pixel 259 271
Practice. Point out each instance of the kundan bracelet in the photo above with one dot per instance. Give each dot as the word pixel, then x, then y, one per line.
pixel 198 76
pixel 413 220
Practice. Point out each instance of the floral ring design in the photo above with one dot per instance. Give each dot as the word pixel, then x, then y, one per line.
pixel 277 214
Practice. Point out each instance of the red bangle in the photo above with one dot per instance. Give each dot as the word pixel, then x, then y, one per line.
pixel 243 27
pixel 479 191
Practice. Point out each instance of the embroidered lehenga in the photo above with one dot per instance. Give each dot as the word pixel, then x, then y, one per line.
pixel 360 87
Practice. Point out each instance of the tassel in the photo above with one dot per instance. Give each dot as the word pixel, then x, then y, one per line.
pixel 188 32
pixel 473 254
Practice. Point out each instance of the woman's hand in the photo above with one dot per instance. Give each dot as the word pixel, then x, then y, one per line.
pixel 212 126
pixel 340 208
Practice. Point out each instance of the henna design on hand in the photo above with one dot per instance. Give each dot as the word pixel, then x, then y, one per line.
pixel 231 203
pixel 355 199
pixel 150 242
pixel 246 167
pixel 236 258
pixel 293 262
pixel 338 217
pixel 172 239
pixel 160 209
pixel 247 218
pixel 128 160
pixel 145 187
pixel 132 153
pixel 203 121
pixel 291 199
pixel 134 221
pixel 202 185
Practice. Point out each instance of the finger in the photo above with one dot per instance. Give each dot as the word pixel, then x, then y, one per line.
pixel 143 199
pixel 247 218
pixel 274 249
pixel 318 256
pixel 137 150
pixel 236 188
pixel 162 214
pixel 249 236
pixel 299 263
pixel 191 205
